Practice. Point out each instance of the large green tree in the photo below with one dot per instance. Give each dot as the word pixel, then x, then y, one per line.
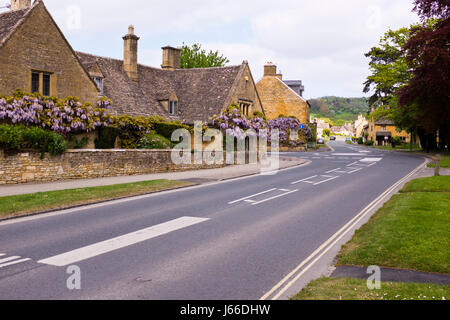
pixel 196 57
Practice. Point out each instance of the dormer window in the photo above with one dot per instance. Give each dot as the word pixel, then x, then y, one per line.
pixel 173 106
pixel 99 82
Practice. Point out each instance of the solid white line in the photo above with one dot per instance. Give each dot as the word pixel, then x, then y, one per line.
pixel 304 180
pixel 121 242
pixel 275 197
pixel 250 201
pixel 332 178
pixel 14 262
pixel 8 259
pixel 254 195
pixel 326 243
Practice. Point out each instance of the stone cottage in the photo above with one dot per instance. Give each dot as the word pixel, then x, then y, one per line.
pixel 281 97
pixel 35 56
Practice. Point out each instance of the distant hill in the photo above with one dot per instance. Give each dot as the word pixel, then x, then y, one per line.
pixel 338 109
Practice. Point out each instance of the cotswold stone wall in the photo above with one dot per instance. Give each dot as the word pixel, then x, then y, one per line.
pixel 26 167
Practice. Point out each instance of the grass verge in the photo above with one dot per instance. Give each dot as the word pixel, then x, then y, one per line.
pixel 11 206
pixel 445 162
pixel 410 231
pixel 356 289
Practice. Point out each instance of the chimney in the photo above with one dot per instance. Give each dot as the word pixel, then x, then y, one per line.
pixel 130 54
pixel 171 58
pixel 279 75
pixel 270 69
pixel 20 4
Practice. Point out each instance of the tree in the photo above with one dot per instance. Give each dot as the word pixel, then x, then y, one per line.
pixel 196 57
pixel 427 52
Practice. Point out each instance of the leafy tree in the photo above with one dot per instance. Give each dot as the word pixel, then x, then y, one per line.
pixel 426 95
pixel 196 57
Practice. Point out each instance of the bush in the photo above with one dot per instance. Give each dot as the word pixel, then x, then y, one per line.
pixel 369 143
pixel 17 137
pixel 106 138
pixel 11 137
pixel 166 129
pixel 154 141
pixel 360 140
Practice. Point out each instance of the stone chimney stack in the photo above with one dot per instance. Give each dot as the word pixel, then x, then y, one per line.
pixel 270 69
pixel 130 54
pixel 171 58
pixel 20 4
pixel 279 75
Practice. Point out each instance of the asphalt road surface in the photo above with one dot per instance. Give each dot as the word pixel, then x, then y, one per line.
pixel 230 240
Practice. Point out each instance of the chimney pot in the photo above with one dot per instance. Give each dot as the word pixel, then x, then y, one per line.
pixel 270 69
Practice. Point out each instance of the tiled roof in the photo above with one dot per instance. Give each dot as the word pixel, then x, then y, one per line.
pixel 9 21
pixel 201 93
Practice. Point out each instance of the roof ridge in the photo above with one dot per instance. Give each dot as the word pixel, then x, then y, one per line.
pixel 212 68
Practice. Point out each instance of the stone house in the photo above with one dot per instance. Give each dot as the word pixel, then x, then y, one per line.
pixel 359 125
pixel 35 56
pixel 345 130
pixel 382 131
pixel 282 97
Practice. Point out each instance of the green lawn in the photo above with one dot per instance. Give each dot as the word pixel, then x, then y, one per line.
pixel 445 162
pixel 356 289
pixel 410 231
pixel 43 201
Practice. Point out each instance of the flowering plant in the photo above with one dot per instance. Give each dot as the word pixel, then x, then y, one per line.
pixel 62 116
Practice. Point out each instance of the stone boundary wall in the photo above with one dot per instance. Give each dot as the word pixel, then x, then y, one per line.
pixel 27 166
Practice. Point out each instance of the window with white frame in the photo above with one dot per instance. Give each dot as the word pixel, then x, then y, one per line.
pixel 99 83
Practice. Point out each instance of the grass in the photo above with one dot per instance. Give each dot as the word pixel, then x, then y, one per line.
pixel 400 147
pixel 43 201
pixel 410 231
pixel 445 162
pixel 356 289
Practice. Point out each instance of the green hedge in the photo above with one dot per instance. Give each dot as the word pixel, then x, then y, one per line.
pixel 154 141
pixel 166 129
pixel 16 137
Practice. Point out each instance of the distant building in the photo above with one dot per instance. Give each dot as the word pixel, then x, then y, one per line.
pixel 359 125
pixel 382 131
pixel 282 97
pixel 321 126
pixel 345 130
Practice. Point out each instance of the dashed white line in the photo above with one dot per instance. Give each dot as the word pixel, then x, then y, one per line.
pixel 329 179
pixel 303 180
pixel 14 262
pixel 252 196
pixel 274 197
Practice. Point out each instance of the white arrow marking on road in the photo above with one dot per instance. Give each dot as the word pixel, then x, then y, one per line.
pixel 8 259
pixel 274 197
pixel 14 262
pixel 126 240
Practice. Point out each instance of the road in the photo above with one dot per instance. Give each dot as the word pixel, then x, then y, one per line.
pixel 231 240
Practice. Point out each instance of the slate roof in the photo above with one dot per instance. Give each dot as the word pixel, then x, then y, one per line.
pixel 9 21
pixel 384 122
pixel 201 93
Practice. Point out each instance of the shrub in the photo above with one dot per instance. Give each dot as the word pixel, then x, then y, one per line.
pixel 360 140
pixel 369 143
pixel 154 141
pixel 11 137
pixel 17 137
pixel 106 138
pixel 166 129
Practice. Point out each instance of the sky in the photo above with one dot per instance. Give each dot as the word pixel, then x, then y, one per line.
pixel 321 42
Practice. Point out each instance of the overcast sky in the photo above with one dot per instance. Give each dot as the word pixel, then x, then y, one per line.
pixel 321 42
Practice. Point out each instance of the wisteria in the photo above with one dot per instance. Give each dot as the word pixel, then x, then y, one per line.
pixel 63 116
pixel 291 132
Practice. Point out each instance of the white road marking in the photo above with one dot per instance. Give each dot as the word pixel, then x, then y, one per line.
pixel 329 179
pixel 2 254
pixel 274 197
pixel 126 240
pixel 252 196
pixel 329 244
pixel 8 259
pixel 371 159
pixel 356 170
pixel 346 154
pixel 333 170
pixel 304 180
pixel 14 262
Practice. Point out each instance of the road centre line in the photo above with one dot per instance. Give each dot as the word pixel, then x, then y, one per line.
pixel 304 180
pixel 329 244
pixel 123 241
pixel 14 262
pixel 8 259
pixel 329 179
pixel 252 196
pixel 274 197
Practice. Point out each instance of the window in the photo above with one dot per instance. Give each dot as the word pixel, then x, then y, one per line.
pixel 46 84
pixel 35 82
pixel 173 107
pixel 383 128
pixel 99 82
pixel 39 79
pixel 245 108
